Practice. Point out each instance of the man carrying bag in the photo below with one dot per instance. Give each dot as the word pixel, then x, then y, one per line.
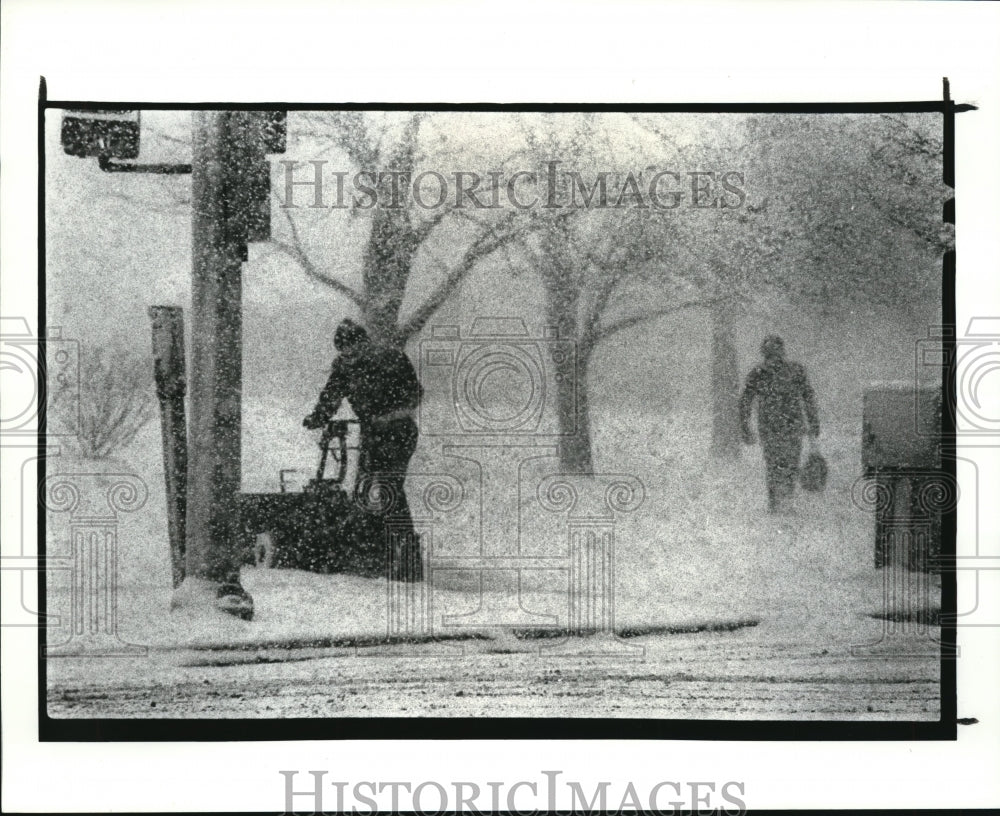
pixel 786 410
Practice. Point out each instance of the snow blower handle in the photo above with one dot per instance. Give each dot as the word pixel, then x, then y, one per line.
pixel 324 449
pixel 335 433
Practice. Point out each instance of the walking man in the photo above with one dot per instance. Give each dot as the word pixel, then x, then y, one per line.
pixel 382 387
pixel 786 410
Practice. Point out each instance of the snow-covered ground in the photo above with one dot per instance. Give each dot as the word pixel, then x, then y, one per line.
pixel 701 570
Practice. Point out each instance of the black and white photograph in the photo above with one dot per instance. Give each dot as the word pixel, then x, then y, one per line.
pixel 552 410
pixel 489 413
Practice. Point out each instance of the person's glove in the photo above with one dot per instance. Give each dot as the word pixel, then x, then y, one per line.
pixel 749 438
pixel 313 422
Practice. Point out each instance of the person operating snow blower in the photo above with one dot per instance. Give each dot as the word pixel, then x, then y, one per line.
pixel 382 388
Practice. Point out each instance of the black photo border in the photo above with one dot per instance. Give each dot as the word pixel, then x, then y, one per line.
pixel 548 728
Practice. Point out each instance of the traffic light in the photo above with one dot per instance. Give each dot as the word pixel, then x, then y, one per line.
pixel 257 198
pixel 274 130
pixel 104 133
pixel 252 134
pixel 112 135
pixel 255 133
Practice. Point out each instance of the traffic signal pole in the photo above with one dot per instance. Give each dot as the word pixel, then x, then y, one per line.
pixel 230 191
pixel 221 148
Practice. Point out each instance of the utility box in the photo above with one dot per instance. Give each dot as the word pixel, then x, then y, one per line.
pixel 901 430
pixel 901 426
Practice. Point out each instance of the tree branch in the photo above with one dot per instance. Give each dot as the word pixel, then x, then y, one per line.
pixel 422 230
pixel 487 242
pixel 295 251
pixel 354 138
pixel 603 332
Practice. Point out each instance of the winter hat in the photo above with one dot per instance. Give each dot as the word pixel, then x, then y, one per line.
pixel 348 334
pixel 773 346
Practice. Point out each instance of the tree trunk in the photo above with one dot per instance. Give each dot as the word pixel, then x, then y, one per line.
pixel 573 409
pixel 391 247
pixel 725 385
pixel 387 262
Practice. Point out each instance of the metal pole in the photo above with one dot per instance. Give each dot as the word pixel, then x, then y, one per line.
pixel 212 561
pixel 171 385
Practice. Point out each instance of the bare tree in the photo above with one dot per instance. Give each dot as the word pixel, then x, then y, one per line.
pixel 839 211
pixel 593 265
pixel 397 234
pixel 109 405
pixel 862 196
pixel 827 210
pixel 392 146
pixel 606 269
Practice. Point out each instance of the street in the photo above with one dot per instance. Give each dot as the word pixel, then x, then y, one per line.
pixel 748 673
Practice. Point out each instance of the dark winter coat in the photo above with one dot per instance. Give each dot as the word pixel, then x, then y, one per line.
pixel 377 380
pixel 786 405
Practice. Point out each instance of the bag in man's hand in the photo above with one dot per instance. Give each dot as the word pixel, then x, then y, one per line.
pixel 814 471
